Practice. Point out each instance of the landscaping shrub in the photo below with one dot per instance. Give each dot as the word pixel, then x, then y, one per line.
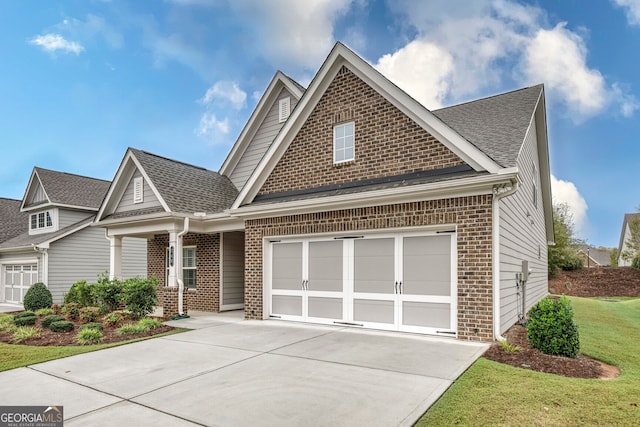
pixel 89 314
pixel 37 297
pixel 636 262
pixel 88 336
pixel 572 263
pixel 551 328
pixel 44 312
pixel 61 326
pixel 71 310
pixel 56 309
pixel 149 323
pixel 92 325
pixel 25 318
pixel 107 293
pixel 113 319
pixel 24 332
pixel 47 321
pixel 81 293
pixel 6 322
pixel 139 296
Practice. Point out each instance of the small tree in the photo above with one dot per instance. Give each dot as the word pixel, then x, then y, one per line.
pixel 563 255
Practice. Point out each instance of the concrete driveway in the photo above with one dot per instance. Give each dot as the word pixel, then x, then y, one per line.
pixel 232 372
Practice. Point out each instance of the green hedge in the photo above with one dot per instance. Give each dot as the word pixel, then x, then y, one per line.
pixel 551 328
pixel 37 297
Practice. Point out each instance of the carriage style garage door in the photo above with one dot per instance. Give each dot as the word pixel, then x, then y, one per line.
pixel 17 280
pixel 404 282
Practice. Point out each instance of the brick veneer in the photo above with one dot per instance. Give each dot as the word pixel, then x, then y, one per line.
pixel 474 224
pixel 387 142
pixel 206 295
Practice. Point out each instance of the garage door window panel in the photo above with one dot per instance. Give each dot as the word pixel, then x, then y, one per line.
pixel 427 265
pixel 287 266
pixel 374 266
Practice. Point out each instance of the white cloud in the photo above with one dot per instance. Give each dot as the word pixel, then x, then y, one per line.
pixel 567 192
pixel 631 9
pixel 210 126
pixel 225 91
pixel 421 69
pixel 55 42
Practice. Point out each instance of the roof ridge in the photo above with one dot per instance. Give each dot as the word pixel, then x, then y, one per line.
pixel 175 161
pixel 71 174
pixel 489 97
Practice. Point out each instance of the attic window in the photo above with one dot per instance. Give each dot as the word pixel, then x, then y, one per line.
pixel 343 142
pixel 41 220
pixel 284 109
pixel 138 190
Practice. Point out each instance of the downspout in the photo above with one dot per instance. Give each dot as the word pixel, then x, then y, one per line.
pixel 499 192
pixel 45 263
pixel 184 231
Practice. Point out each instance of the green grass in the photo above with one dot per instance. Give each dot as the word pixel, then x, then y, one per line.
pixel 491 393
pixel 16 356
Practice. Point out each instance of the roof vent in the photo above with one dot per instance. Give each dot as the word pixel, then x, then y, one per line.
pixel 284 109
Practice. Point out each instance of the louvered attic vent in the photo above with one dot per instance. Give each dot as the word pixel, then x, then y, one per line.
pixel 138 193
pixel 284 109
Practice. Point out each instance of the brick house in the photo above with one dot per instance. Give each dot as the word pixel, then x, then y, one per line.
pixel 351 203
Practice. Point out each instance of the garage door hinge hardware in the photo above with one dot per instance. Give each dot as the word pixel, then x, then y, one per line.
pixel 348 323
pixel 445 231
pixel 445 332
pixel 275 317
pixel 348 237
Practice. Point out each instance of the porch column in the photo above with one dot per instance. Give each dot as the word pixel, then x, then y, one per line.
pixel 115 257
pixel 172 279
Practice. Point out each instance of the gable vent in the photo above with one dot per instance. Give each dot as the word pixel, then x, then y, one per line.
pixel 284 108
pixel 138 190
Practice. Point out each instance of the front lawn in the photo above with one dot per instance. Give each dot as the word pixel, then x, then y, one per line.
pixel 491 393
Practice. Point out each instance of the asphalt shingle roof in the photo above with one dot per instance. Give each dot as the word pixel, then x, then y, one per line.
pixel 187 188
pixel 73 190
pixel 496 125
pixel 12 221
pixel 25 239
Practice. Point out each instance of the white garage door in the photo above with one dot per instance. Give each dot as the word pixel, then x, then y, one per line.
pixel 404 282
pixel 17 280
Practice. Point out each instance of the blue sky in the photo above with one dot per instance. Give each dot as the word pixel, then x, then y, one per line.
pixel 83 80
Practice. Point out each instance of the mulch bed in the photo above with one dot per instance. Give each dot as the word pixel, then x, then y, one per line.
pixel 50 338
pixel 597 282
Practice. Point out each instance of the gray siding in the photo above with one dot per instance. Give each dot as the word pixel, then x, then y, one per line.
pixel 83 256
pixel 233 268
pixel 134 257
pixel 126 202
pixel 68 217
pixel 263 138
pixel 522 237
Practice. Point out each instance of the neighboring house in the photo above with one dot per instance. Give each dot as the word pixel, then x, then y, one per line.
pixel 50 238
pixel 594 257
pixel 359 207
pixel 625 234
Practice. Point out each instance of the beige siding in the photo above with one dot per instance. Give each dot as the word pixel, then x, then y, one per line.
pixel 126 202
pixel 233 268
pixel 263 138
pixel 522 237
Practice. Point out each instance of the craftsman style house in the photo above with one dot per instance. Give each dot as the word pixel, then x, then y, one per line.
pixel 351 203
pixel 48 236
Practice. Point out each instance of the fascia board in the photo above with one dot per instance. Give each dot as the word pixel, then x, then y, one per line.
pixel 115 191
pixel 151 184
pixel 545 167
pixel 430 191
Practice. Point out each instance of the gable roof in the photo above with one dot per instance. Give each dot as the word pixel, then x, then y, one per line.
pixel 341 56
pixel 600 256
pixel 277 83
pixel 65 189
pixel 627 219
pixel 180 187
pixel 498 124
pixel 13 222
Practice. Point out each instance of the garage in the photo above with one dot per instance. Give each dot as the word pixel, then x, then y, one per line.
pixel 16 280
pixel 392 281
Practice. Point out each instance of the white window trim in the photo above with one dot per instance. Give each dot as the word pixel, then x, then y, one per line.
pixel 46 228
pixel 284 109
pixel 166 264
pixel 335 127
pixel 138 189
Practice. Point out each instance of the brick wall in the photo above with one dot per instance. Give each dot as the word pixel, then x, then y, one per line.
pixel 471 214
pixel 387 142
pixel 206 296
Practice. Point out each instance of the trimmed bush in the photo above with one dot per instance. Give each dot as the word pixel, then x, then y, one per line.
pixel 88 336
pixel 107 294
pixel 61 326
pixel 551 328
pixel 93 325
pixel 25 318
pixel 26 313
pixel 81 293
pixel 71 310
pixel 139 296
pixel 89 314
pixel 47 321
pixel 37 297
pixel 45 312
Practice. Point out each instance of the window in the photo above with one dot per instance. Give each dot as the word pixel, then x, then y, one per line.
pixel 534 181
pixel 343 143
pixel 138 190
pixel 188 266
pixel 41 220
pixel 284 108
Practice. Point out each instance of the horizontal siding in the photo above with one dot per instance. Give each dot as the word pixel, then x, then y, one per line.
pixel 233 268
pixel 263 138
pixel 68 217
pixel 134 257
pixel 149 199
pixel 522 237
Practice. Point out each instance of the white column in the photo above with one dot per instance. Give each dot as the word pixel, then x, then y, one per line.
pixel 172 280
pixel 115 258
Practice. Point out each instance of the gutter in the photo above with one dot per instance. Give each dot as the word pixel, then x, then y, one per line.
pixel 45 261
pixel 499 192
pixel 184 231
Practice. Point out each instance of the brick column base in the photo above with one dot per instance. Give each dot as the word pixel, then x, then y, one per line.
pixel 169 298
